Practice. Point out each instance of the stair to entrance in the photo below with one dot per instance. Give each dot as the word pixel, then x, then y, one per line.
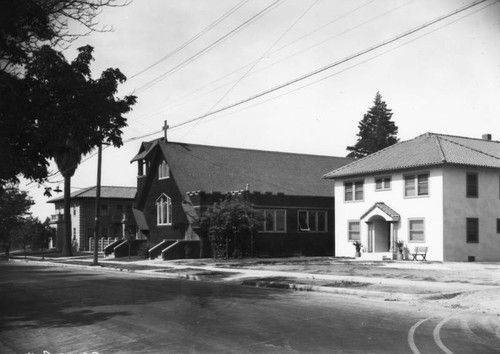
pixel 376 256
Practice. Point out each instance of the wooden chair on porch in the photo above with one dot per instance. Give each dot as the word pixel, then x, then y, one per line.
pixel 420 251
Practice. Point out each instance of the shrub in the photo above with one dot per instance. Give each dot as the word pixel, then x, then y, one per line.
pixel 143 249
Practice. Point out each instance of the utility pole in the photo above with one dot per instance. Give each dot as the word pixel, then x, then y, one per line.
pixel 97 202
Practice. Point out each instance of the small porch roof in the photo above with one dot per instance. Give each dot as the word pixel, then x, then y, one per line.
pixel 383 210
pixel 140 219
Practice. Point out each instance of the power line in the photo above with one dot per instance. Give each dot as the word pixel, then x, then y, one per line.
pixel 235 30
pixel 337 63
pixel 183 97
pixel 198 35
pixel 259 59
pixel 405 34
pixel 355 65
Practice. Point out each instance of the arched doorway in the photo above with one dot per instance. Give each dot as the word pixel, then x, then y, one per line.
pixel 379 234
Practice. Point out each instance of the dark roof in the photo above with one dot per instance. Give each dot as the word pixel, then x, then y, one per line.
pixel 222 169
pixel 107 192
pixel 385 208
pixel 428 149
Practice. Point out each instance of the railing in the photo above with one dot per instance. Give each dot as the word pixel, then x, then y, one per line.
pixel 155 251
pixel 182 249
pixel 102 243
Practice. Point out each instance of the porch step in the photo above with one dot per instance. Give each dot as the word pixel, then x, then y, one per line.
pixel 378 256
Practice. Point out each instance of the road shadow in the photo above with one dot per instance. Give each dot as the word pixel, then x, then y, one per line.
pixel 33 296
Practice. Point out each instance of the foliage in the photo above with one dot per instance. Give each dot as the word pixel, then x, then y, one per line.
pixel 358 245
pixel 400 245
pixel 143 249
pixel 230 225
pixel 76 112
pixel 25 26
pixel 31 232
pixel 376 130
pixel 14 207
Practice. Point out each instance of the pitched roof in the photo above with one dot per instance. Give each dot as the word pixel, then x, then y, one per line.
pixel 384 208
pixel 428 149
pixel 222 169
pixel 107 192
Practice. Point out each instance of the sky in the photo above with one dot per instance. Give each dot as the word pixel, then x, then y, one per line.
pixel 187 59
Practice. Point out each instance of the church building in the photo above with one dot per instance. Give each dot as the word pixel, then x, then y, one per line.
pixel 177 181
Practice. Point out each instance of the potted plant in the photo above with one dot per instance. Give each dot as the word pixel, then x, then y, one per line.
pixel 400 245
pixel 357 245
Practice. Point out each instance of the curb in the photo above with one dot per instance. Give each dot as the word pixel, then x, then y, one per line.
pixel 178 274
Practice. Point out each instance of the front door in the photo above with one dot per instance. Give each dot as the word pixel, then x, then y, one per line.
pixel 379 234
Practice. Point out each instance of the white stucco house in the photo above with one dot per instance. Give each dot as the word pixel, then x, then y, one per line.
pixel 435 190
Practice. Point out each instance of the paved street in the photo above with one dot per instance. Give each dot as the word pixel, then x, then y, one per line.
pixel 62 310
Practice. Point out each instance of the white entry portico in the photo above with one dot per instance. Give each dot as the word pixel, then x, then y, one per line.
pixel 382 229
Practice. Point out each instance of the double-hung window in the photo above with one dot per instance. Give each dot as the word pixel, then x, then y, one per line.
pixel 382 183
pixel 274 221
pixel 353 190
pixel 353 231
pixel 416 230
pixel 312 221
pixel 164 210
pixel 416 185
pixel 163 170
pixel 472 230
pixel 472 185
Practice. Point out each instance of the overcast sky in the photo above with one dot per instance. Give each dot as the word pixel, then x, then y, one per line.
pixel 209 55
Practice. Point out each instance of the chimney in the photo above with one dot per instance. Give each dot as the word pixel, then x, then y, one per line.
pixel 486 137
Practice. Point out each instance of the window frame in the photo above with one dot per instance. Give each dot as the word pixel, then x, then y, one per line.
pixel 350 231
pixel 316 220
pixel 353 184
pixel 416 185
pixel 275 220
pixel 164 217
pixel 468 231
pixel 412 231
pixel 383 180
pixel 474 186
pixel 163 170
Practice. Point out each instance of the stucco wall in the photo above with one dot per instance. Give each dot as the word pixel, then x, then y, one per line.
pixel 428 208
pixel 457 208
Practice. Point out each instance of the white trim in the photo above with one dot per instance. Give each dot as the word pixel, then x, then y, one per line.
pixel 349 222
pixel 316 212
pixel 275 219
pixel 163 201
pixel 383 178
pixel 163 170
pixel 410 230
pixel 415 181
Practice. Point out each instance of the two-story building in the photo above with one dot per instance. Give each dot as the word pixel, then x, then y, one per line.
pixel 116 217
pixel 437 191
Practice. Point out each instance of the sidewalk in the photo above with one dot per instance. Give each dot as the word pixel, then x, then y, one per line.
pixel 459 286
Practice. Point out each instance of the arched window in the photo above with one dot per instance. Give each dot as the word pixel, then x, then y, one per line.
pixel 164 210
pixel 163 170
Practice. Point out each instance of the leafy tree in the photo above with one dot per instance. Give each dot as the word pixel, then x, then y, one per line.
pixel 230 225
pixel 376 130
pixel 31 232
pixel 25 25
pixel 14 207
pixel 79 112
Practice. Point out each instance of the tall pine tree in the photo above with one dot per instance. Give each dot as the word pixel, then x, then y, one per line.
pixel 376 130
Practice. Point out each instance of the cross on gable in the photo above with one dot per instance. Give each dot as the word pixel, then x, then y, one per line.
pixel 165 128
